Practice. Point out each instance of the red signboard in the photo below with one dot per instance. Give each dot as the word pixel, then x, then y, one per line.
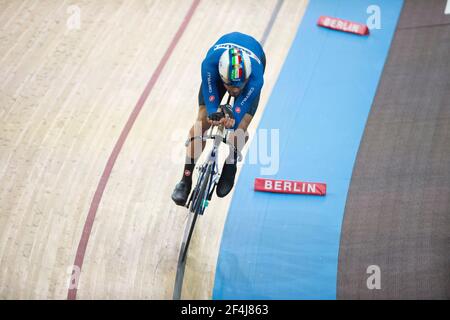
pixel 293 187
pixel 343 25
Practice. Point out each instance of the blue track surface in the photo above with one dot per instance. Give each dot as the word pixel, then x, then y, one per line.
pixel 279 246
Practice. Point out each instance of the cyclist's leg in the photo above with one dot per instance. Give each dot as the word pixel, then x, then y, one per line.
pixel 195 148
pixel 193 152
pixel 239 138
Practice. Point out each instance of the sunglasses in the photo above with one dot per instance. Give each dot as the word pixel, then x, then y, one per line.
pixel 238 87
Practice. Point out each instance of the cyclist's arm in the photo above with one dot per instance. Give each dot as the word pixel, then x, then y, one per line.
pixel 210 90
pixel 251 91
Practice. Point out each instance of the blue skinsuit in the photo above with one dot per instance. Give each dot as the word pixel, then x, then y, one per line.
pixel 212 87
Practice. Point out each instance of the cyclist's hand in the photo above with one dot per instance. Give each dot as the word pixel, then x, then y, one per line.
pixel 219 118
pixel 214 123
pixel 228 122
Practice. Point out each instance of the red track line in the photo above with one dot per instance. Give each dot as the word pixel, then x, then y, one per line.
pixel 79 258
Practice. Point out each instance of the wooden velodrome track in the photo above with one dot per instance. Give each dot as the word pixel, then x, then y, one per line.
pixel 66 94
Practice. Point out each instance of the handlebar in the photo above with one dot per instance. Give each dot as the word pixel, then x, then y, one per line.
pixel 204 138
pixel 213 137
pixel 224 111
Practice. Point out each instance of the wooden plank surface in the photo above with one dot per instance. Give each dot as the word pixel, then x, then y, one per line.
pixel 65 96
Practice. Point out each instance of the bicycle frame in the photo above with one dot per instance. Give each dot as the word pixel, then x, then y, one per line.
pixel 209 168
pixel 211 161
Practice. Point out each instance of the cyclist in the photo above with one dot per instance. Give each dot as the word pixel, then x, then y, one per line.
pixel 234 64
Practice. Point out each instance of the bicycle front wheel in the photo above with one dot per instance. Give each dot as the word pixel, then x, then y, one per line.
pixel 197 206
pixel 200 201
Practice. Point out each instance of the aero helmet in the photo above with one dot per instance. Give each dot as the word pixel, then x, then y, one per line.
pixel 235 67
